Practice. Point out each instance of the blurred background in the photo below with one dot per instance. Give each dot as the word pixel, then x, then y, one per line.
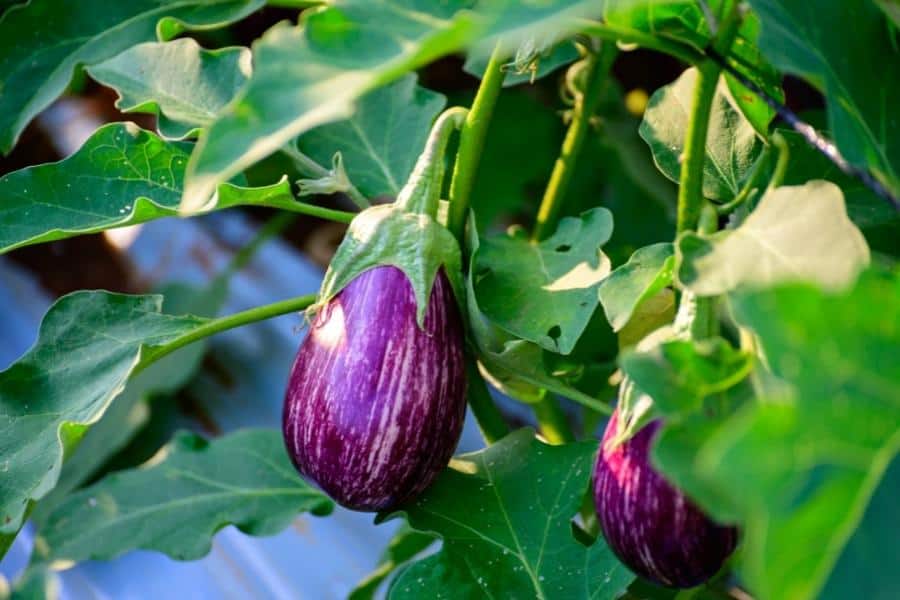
pixel 233 260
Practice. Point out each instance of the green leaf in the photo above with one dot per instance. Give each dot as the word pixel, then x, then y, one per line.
pixel 130 412
pixel 680 374
pixel 379 144
pixel 312 74
pixel 681 20
pixel 512 537
pixel 544 292
pixel 863 207
pixel 647 272
pixel 816 452
pixel 796 233
pixel 538 63
pixel 88 345
pixel 865 552
pixel 181 499
pixel 403 547
pixel 122 175
pixel 41 44
pixel 857 70
pixel 732 144
pixel 185 85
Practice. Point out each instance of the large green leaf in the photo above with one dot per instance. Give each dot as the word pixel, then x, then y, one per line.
pixel 41 44
pixel 122 175
pixel 544 292
pixel 131 411
pixel 181 499
pixel 858 70
pixel 312 74
pixel 647 272
pixel 89 344
pixel 512 537
pixel 732 144
pixel 795 233
pixel 185 85
pixel 817 450
pixel 381 141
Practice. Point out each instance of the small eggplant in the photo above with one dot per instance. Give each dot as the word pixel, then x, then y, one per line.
pixel 650 525
pixel 375 402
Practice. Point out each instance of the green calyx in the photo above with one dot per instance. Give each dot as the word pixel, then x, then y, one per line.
pixel 407 233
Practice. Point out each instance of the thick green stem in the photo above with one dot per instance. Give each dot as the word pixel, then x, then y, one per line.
pixel 490 421
pixel 616 33
pixel 690 191
pixel 597 65
pixel 214 326
pixel 422 192
pixel 471 143
pixel 552 421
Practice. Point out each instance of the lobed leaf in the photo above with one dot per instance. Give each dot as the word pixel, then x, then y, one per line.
pixel 122 175
pixel 544 292
pixel 732 144
pixel 183 84
pixel 176 503
pixel 88 346
pixel 796 233
pixel 42 43
pixel 513 535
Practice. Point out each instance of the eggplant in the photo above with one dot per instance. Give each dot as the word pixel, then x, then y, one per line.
pixel 375 402
pixel 650 525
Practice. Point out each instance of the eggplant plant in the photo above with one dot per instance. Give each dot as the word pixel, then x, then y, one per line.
pixel 660 278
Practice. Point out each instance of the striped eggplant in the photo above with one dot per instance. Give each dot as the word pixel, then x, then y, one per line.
pixel 657 532
pixel 375 404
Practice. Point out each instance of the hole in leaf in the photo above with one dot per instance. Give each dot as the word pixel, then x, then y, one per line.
pixel 563 248
pixel 555 332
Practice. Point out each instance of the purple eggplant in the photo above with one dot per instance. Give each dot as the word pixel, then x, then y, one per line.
pixel 657 532
pixel 375 404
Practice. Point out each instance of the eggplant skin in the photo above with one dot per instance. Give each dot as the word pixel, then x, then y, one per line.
pixel 375 404
pixel 657 532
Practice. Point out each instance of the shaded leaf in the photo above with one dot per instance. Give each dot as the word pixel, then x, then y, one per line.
pixel 41 44
pixel 647 272
pixel 858 71
pixel 185 85
pixel 382 140
pixel 122 175
pixel 513 536
pixel 815 452
pixel 732 144
pixel 544 292
pixel 181 499
pixel 795 233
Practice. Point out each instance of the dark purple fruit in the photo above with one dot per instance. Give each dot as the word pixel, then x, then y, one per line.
pixel 375 404
pixel 657 532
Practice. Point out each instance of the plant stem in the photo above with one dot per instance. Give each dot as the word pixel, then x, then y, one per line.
pixel 490 421
pixel 784 157
pixel 471 143
pixel 552 421
pixel 214 326
pixel 616 33
pixel 296 206
pixel 311 168
pixel 597 67
pixel 750 186
pixel 690 190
